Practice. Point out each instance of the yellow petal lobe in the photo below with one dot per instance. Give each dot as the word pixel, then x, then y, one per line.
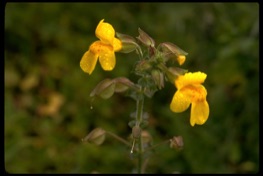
pixel 190 78
pixel 88 62
pixel 179 102
pixel 105 32
pixel 107 59
pixel 181 59
pixel 117 45
pixel 199 112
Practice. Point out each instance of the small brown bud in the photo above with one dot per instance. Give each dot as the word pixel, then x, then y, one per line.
pixel 177 142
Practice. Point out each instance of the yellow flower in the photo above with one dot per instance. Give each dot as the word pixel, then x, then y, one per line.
pixel 190 91
pixel 102 49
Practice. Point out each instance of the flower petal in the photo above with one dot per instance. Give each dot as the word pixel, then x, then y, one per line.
pixel 190 78
pixel 179 102
pixel 96 47
pixel 88 62
pixel 105 32
pixel 181 59
pixel 194 92
pixel 117 45
pixel 199 112
pixel 107 58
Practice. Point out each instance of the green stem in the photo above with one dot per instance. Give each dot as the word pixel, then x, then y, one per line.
pixel 118 138
pixel 145 164
pixel 161 143
pixel 139 113
pixel 140 155
pixel 139 109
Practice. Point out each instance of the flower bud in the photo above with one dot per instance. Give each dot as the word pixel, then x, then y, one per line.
pixel 96 136
pixel 142 66
pixel 177 71
pixel 170 48
pixel 105 89
pixel 122 84
pixel 158 78
pixel 177 142
pixel 145 38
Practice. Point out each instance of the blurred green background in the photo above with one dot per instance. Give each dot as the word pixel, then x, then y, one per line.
pixel 47 103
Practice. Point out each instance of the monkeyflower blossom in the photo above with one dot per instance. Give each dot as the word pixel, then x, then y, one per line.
pixel 190 91
pixel 103 49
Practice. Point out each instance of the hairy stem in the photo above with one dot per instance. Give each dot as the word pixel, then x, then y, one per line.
pixel 139 113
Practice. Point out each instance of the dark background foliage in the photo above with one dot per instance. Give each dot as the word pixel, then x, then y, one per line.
pixel 47 105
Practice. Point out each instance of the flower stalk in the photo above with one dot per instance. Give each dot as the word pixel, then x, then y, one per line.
pixel 139 114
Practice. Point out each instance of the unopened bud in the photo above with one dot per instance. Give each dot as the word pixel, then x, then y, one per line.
pixel 122 84
pixel 105 89
pixel 145 38
pixel 170 48
pixel 177 142
pixel 143 66
pixel 177 71
pixel 96 136
pixel 158 78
